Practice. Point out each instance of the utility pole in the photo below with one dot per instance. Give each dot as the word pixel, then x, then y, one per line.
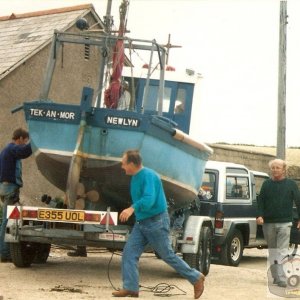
pixel 281 114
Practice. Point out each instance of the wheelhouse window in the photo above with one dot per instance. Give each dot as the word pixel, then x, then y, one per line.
pixel 179 107
pixel 151 104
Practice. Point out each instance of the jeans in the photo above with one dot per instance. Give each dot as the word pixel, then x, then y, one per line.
pixel 277 236
pixel 155 232
pixel 9 194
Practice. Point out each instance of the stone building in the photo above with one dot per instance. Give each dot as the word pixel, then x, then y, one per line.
pixel 24 46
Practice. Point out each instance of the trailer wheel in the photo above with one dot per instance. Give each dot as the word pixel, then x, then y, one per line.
pixel 22 254
pixel 41 253
pixel 233 250
pixel 201 260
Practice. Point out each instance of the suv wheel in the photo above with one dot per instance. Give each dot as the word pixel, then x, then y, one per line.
pixel 201 260
pixel 233 250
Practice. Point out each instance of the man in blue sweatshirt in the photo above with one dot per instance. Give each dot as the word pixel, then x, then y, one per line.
pixel 11 179
pixel 151 227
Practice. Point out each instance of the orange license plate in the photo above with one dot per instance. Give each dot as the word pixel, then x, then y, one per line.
pixel 61 215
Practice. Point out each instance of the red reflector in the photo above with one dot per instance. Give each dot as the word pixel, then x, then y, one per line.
pixel 104 220
pixel 218 249
pixel 32 214
pixel 92 217
pixel 219 219
pixel 15 214
pixel 219 224
pixel 189 238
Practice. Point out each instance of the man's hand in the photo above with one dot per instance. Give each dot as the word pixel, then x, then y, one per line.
pixel 298 225
pixel 260 220
pixel 126 213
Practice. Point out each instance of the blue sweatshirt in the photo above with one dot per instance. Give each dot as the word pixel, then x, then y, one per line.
pixel 10 164
pixel 147 194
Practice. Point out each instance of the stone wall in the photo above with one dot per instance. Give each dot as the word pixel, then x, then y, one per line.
pixel 252 160
pixel 24 84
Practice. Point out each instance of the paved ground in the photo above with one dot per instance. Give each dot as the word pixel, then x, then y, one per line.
pixel 64 277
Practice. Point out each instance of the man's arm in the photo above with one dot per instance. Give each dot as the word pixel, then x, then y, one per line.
pixel 22 151
pixel 297 202
pixel 147 199
pixel 126 214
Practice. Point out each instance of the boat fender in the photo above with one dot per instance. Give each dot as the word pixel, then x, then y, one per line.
pixel 181 136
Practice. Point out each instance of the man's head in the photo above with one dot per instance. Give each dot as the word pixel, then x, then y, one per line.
pixel 125 85
pixel 20 136
pixel 131 162
pixel 278 169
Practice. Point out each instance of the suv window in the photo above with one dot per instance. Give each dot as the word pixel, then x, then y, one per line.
pixel 258 179
pixel 237 187
pixel 258 182
pixel 208 188
pixel 236 171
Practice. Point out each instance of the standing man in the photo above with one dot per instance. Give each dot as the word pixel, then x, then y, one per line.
pixel 11 179
pixel 151 227
pixel 124 101
pixel 275 213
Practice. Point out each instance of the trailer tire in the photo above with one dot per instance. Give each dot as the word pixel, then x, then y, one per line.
pixel 202 259
pixel 233 250
pixel 22 254
pixel 41 253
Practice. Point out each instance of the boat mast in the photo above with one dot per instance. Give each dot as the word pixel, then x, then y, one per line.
pixel 169 46
pixel 112 93
pixel 108 22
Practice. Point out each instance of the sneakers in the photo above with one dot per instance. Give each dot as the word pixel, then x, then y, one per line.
pixel 279 282
pixel 282 284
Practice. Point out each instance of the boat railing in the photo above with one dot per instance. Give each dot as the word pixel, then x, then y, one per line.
pixel 106 42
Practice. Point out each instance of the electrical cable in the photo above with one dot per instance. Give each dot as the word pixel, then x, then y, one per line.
pixel 160 290
pixel 163 290
pixel 110 260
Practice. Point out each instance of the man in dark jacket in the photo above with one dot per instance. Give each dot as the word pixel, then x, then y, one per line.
pixel 11 179
pixel 275 213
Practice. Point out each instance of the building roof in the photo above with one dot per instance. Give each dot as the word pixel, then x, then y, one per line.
pixel 23 35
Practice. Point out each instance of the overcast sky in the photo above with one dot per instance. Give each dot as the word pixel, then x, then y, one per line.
pixel 233 44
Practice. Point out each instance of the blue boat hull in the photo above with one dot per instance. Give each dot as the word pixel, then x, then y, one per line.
pixel 107 134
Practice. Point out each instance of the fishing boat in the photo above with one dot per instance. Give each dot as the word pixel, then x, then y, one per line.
pixel 84 142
